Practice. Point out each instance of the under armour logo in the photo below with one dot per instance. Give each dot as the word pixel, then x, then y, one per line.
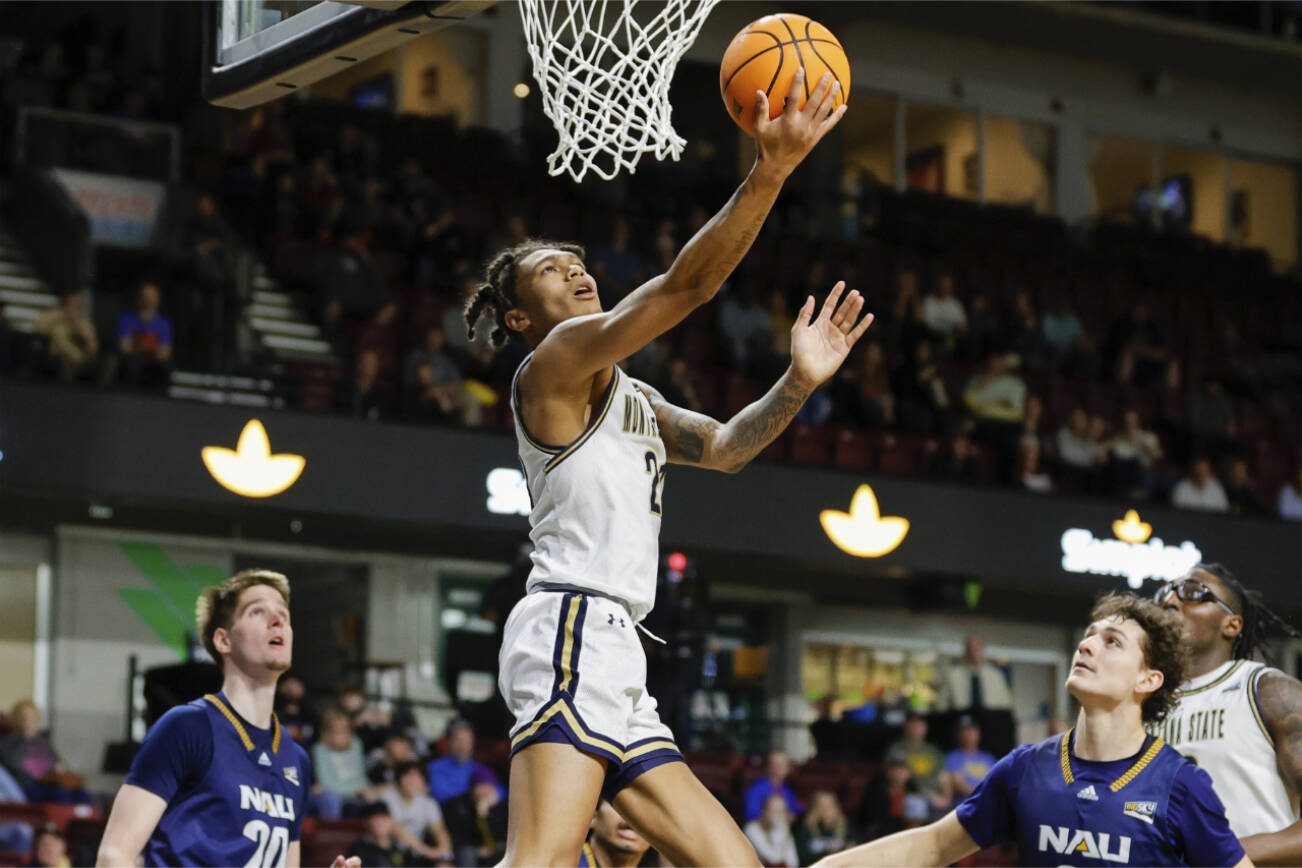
pixel 610 619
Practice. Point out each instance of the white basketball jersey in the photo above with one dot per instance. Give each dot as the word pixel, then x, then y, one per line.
pixel 595 523
pixel 1218 725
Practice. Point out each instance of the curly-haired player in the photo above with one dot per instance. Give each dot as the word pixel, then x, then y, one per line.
pixel 1238 718
pixel 594 444
pixel 1103 792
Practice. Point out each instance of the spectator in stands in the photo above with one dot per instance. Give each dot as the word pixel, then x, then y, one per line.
pixel 1025 336
pixel 15 837
pixel 1289 504
pixel 1139 351
pixel 1200 490
pixel 975 684
pixel 956 461
pixel 477 821
pixel 207 242
pixel 145 341
pixel 441 243
pixel 679 389
pixel 617 265
pixel 780 319
pixel 370 722
pixel 893 802
pixel 380 846
pixel 943 312
pixel 1031 474
pixel 823 830
pixel 1131 455
pixel 50 849
pixel 1079 453
pixel 745 325
pixel 925 762
pixel 1069 347
pixel 449 776
pixel 770 834
pixel 996 398
pixel 73 343
pixel 967 764
pixel 1240 491
pixel 397 751
pixel 435 387
pixel 1032 419
pixel 417 817
pixel 294 712
pixel 862 392
pixel 34 763
pixel 777 768
pixel 921 395
pixel 338 767
pixel 362 397
pixel 906 326
pixel 1211 420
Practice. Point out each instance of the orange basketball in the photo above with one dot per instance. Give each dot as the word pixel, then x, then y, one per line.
pixel 765 56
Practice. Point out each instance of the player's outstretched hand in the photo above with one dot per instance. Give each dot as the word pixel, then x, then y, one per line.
pixel 819 346
pixel 785 140
pixel 350 862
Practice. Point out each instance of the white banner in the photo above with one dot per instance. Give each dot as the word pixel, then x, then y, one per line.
pixel 122 211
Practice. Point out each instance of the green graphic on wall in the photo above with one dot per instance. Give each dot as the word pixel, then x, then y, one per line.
pixel 167 607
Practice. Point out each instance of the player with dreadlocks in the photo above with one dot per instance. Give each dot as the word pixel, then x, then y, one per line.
pixel 594 444
pixel 1238 718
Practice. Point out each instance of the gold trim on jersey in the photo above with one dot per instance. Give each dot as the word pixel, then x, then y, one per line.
pixel 561 707
pixel 567 650
pixel 239 727
pixel 1179 694
pixel 519 416
pixel 1256 710
pixel 593 424
pixel 1064 757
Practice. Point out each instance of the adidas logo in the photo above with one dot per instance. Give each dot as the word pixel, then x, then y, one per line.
pixel 264 760
pixel 1088 794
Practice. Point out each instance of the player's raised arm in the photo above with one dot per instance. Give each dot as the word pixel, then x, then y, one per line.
pixel 818 347
pixel 133 818
pixel 581 346
pixel 943 842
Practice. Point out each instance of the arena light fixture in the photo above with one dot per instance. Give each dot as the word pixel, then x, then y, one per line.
pixel 1131 529
pixel 863 531
pixel 250 469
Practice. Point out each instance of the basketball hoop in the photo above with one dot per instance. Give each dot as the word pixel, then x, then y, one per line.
pixel 604 77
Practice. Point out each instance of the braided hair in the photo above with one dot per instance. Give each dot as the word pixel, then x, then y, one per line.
pixel 498 295
pixel 1260 624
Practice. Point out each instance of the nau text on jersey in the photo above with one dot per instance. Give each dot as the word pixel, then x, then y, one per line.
pixel 638 418
pixel 1060 839
pixel 272 804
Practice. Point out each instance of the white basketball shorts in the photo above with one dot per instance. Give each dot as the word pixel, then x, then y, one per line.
pixel 573 671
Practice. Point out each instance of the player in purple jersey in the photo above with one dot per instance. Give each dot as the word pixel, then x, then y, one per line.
pixel 1104 792
pixel 217 782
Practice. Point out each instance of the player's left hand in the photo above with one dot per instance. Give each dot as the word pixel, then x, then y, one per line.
pixel 350 862
pixel 819 346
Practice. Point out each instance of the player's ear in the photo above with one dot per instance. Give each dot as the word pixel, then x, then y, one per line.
pixel 221 640
pixel 517 320
pixel 1150 681
pixel 1231 627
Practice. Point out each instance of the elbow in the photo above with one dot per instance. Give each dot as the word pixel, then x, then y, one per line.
pixel 692 284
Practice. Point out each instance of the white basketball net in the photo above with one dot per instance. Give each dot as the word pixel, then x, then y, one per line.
pixel 605 78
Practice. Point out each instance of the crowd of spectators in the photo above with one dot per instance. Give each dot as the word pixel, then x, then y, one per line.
pixel 1006 351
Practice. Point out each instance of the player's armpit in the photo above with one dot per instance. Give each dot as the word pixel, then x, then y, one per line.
pixel 133 818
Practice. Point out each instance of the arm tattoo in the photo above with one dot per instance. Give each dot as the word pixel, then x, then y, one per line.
pixel 754 428
pixel 1280 699
pixel 685 434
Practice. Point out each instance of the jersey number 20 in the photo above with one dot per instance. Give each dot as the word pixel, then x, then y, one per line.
pixel 273 844
pixel 657 480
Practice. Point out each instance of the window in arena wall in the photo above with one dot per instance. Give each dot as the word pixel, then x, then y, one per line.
pixel 1263 209
pixel 1121 171
pixel 1020 163
pixel 863 680
pixel 1198 177
pixel 940 152
pixel 868 134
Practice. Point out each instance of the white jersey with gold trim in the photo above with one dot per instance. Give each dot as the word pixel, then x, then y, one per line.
pixel 1218 725
pixel 595 523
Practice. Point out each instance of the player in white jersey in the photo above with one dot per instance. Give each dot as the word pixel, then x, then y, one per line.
pixel 594 444
pixel 1239 719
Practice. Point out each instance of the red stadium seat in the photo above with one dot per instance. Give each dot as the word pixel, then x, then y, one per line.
pixel 323 840
pixel 852 450
pixel 810 445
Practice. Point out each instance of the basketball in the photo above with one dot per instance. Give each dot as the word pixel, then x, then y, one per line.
pixel 765 56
